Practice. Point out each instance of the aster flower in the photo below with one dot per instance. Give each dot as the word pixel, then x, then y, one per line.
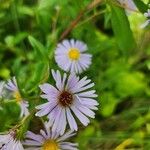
pixel 12 86
pixel 70 56
pixel 48 140
pixel 147 22
pixel 9 142
pixel 71 95
pixel 129 5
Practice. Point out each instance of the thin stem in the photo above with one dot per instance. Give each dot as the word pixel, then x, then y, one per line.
pixel 72 25
pixel 90 18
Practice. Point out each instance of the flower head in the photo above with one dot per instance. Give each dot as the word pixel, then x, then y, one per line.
pixel 48 140
pixel 9 142
pixel 70 95
pixel 71 56
pixel 12 86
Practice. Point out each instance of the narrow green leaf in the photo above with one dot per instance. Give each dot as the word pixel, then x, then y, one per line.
pixel 40 74
pixel 121 28
pixel 41 51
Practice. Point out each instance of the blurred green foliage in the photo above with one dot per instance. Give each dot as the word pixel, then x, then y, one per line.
pixel 29 32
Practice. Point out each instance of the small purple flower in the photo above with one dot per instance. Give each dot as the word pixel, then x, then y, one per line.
pixel 12 86
pixel 9 142
pixel 70 96
pixel 71 56
pixel 48 140
pixel 147 14
pixel 147 22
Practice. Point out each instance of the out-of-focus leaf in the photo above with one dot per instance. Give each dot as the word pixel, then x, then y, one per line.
pixel 10 111
pixel 108 104
pixel 148 127
pixel 4 73
pixel 12 40
pixel 87 136
pixel 41 51
pixel 121 28
pixel 26 10
pixel 40 74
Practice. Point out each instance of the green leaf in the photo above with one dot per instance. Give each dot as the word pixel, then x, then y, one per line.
pixel 42 53
pixel 121 28
pixel 26 10
pixel 141 6
pixel 40 74
pixel 12 40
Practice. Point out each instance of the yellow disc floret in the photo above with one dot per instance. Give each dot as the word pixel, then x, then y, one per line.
pixel 74 53
pixel 50 145
pixel 17 96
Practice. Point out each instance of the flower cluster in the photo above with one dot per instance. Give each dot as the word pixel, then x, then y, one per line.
pixel 70 99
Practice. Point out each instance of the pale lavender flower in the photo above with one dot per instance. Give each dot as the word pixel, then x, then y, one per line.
pixel 147 22
pixel 9 142
pixel 72 95
pixel 71 57
pixel 129 5
pixel 147 14
pixel 48 140
pixel 12 86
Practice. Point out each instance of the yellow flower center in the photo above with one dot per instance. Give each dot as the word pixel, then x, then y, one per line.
pixel 74 54
pixel 17 96
pixel 50 145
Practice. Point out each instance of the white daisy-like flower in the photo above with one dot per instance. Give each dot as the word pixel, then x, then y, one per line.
pixel 70 96
pixel 12 86
pixel 147 22
pixel 128 5
pixel 9 142
pixel 71 57
pixel 2 84
pixel 48 140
